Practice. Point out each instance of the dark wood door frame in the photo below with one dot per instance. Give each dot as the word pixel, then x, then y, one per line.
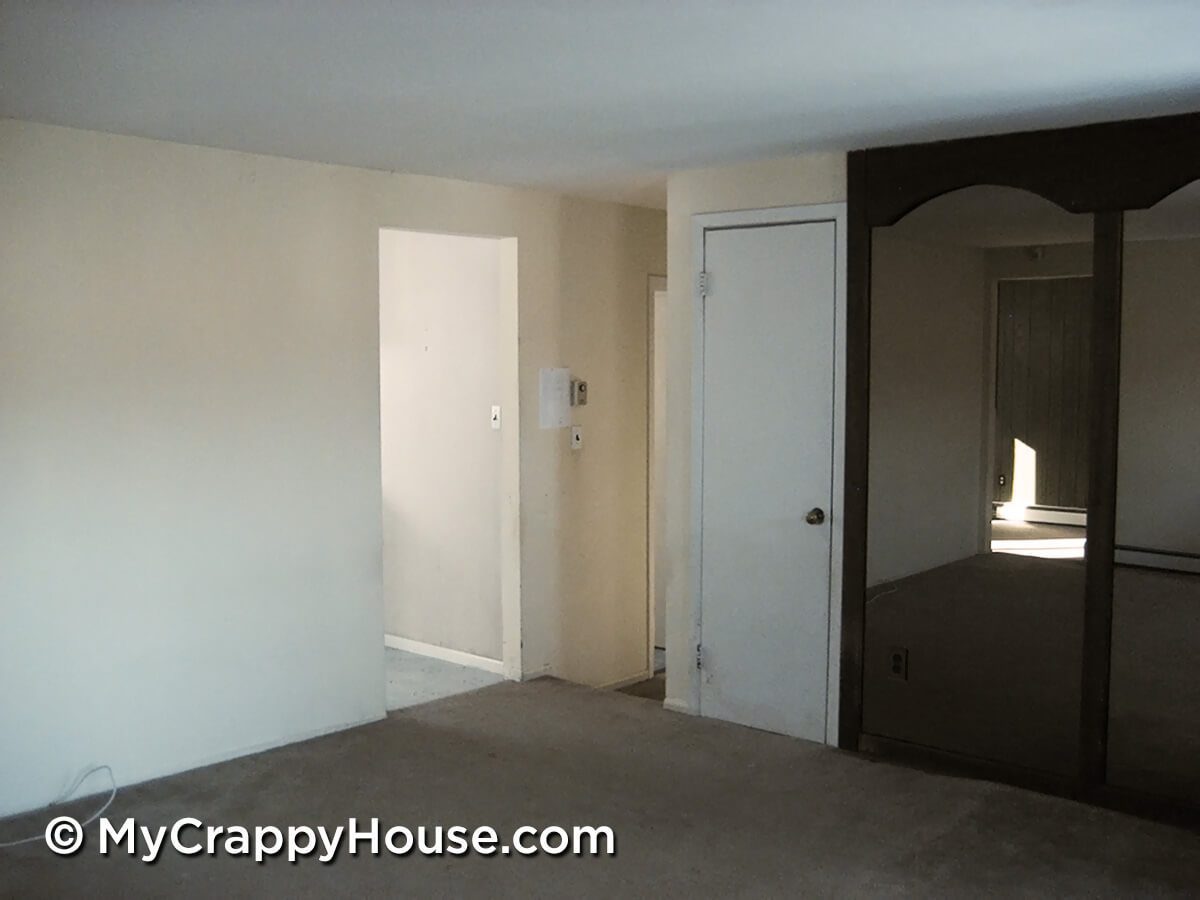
pixel 1104 170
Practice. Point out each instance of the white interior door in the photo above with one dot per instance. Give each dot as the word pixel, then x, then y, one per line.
pixel 767 445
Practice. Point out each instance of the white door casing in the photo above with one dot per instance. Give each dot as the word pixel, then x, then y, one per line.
pixel 658 394
pixel 769 444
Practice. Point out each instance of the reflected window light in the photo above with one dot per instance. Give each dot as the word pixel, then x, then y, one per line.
pixel 1024 483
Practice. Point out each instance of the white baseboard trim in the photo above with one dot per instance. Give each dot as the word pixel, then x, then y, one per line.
pixel 458 657
pixel 127 777
pixel 1042 516
pixel 1056 517
pixel 678 706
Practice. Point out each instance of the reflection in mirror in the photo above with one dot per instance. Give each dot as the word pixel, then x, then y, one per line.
pixel 1154 727
pixel 980 305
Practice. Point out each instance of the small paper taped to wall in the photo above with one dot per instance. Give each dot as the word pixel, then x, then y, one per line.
pixel 554 398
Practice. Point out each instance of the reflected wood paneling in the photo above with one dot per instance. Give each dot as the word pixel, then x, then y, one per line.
pixel 1042 347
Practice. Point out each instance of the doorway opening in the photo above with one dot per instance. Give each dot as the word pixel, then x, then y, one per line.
pixel 654 687
pixel 449 463
pixel 1039 412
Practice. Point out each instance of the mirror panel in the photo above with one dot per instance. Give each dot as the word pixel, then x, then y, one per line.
pixel 980 305
pixel 1154 708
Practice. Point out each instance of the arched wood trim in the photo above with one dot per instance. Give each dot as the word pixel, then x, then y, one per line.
pixel 1173 188
pixel 1092 168
pixel 964 187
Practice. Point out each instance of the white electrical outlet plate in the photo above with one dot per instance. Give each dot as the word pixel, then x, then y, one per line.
pixel 576 437
pixel 495 418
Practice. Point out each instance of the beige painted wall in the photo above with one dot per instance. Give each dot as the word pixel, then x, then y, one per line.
pixel 442 304
pixel 929 355
pixel 189 421
pixel 1051 260
pixel 816 178
pixel 584 512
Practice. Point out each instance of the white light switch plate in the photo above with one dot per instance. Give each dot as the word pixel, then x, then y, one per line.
pixel 576 437
pixel 554 398
pixel 495 418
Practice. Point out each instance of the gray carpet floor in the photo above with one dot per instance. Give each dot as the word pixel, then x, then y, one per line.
pixel 653 688
pixel 700 809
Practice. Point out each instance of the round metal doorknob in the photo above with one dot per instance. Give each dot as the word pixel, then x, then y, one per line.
pixel 815 516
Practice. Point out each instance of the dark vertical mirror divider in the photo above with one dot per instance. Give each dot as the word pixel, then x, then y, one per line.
pixel 858 417
pixel 1103 170
pixel 1108 247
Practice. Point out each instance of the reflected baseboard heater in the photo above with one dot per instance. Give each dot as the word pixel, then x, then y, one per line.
pixel 1048 515
pixel 1167 560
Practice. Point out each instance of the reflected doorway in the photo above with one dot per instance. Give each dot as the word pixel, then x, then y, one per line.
pixel 1040 470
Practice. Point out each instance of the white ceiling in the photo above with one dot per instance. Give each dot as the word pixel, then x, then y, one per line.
pixel 598 97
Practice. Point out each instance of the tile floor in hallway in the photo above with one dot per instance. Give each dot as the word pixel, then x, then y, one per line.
pixel 413 679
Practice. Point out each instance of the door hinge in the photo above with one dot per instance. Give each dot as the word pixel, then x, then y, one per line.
pixel 702 284
pixel 699 657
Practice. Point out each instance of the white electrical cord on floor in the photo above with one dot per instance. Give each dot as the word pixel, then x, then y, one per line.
pixel 66 795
